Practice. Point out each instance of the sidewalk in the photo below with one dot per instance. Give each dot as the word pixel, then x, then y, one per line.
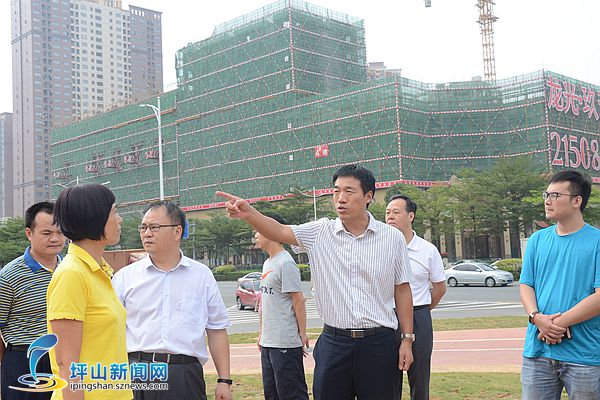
pixel 482 350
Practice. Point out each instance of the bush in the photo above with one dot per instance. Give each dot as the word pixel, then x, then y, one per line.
pixel 224 269
pixel 230 276
pixel 512 265
pixel 305 275
pixel 303 267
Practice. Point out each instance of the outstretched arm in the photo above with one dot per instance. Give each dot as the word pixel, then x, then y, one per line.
pixel 268 227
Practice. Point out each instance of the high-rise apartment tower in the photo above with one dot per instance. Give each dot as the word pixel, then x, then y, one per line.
pixel 73 59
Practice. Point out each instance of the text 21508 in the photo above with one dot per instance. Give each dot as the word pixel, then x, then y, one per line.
pixel 573 152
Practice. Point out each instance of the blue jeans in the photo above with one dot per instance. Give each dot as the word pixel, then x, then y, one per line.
pixel 544 379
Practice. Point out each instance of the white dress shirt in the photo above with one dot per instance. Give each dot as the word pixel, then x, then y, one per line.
pixel 168 312
pixel 354 276
pixel 427 266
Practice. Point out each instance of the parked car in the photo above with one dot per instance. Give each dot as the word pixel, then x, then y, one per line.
pixel 477 274
pixel 248 294
pixel 475 261
pixel 251 275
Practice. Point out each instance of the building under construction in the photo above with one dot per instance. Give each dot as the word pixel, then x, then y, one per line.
pixel 279 98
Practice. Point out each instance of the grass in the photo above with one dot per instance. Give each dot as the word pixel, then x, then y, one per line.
pixel 443 324
pixel 444 386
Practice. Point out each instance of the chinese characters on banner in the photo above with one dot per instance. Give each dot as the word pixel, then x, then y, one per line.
pixel 321 151
pixel 564 97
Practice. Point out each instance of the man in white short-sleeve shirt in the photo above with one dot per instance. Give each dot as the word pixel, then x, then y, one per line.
pixel 360 271
pixel 428 270
pixel 172 303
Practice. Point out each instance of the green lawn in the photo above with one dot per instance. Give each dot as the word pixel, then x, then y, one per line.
pixel 443 324
pixel 444 386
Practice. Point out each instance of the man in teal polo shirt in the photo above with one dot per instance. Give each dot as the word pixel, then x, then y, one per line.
pixel 23 285
pixel 560 290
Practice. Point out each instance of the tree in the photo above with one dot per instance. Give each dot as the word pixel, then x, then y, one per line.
pixel 130 236
pixel 591 214
pixel 221 237
pixel 13 241
pixel 485 201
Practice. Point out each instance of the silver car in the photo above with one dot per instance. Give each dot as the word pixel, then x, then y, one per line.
pixel 477 274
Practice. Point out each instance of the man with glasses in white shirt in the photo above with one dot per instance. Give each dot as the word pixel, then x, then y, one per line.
pixel 172 302
pixel 560 290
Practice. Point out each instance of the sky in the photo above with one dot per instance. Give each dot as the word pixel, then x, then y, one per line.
pixel 441 43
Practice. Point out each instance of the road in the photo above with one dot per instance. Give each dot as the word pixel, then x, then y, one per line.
pixel 458 302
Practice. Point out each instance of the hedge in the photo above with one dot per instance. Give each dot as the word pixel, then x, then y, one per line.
pixel 224 269
pixel 230 276
pixel 233 276
pixel 512 265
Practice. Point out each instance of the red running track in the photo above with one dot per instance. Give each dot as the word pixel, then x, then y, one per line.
pixel 481 350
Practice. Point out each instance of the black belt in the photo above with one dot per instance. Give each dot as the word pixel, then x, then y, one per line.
pixel 17 347
pixel 163 357
pixel 417 308
pixel 355 333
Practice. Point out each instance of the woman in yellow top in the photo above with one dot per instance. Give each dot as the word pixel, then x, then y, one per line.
pixel 83 309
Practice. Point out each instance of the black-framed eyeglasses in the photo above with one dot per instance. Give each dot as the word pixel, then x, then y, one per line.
pixel 555 195
pixel 154 227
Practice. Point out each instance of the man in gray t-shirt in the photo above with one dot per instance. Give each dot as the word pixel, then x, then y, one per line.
pixel 282 336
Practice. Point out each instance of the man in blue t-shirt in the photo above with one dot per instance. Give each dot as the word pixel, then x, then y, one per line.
pixel 560 290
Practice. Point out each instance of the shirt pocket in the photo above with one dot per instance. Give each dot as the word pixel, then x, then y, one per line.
pixel 190 309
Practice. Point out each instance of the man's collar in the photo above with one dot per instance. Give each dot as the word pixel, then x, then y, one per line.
pixel 414 242
pixel 373 224
pixel 32 263
pixel 183 261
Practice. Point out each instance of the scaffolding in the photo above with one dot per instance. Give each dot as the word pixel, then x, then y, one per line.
pixel 279 99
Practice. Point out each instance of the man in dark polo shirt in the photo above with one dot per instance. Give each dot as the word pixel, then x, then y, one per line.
pixel 23 285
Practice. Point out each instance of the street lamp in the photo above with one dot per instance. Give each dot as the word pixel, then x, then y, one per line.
pixel 314 196
pixel 160 154
pixel 76 181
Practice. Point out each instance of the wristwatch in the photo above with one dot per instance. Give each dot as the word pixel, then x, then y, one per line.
pixel 225 380
pixel 409 336
pixel 532 316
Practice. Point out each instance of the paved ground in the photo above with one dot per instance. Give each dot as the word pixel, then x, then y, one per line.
pixel 247 320
pixel 484 350
pixel 458 302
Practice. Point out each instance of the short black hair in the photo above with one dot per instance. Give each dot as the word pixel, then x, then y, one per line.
pixel 578 184
pixel 33 210
pixel 364 176
pixel 174 212
pixel 411 206
pixel 81 211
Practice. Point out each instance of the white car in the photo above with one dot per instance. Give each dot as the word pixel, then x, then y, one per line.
pixel 251 276
pixel 477 274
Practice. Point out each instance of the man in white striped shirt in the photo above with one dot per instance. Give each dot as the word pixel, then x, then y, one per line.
pixel 360 271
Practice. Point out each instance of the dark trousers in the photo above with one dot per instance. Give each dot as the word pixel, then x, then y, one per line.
pixel 365 368
pixel 420 370
pixel 283 374
pixel 16 364
pixel 186 381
